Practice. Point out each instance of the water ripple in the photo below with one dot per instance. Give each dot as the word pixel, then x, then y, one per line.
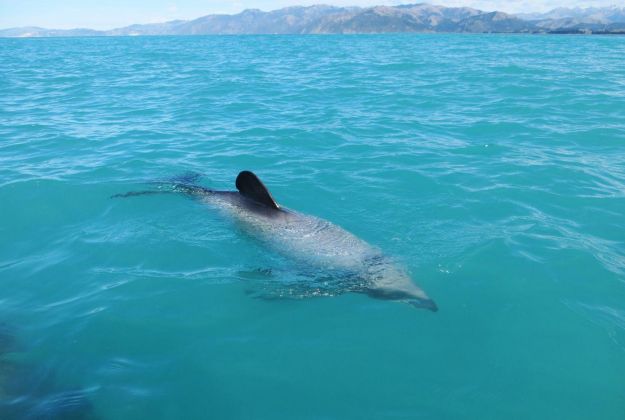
pixel 491 165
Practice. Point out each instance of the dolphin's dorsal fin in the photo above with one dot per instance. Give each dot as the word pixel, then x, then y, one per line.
pixel 251 187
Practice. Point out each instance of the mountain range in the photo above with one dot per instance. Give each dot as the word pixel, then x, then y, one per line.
pixel 324 19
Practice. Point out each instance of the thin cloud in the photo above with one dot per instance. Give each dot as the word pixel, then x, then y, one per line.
pixel 525 6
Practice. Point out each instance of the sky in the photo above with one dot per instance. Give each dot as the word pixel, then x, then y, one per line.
pixel 98 14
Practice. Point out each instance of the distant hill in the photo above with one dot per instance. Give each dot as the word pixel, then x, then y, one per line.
pixel 33 31
pixel 571 20
pixel 323 19
pixel 609 14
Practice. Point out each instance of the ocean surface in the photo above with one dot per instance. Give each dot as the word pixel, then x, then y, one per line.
pixel 491 166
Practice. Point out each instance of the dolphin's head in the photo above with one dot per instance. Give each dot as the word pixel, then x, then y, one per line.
pixel 388 281
pixel 417 300
pixel 425 303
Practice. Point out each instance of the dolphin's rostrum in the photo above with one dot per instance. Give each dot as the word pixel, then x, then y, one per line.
pixel 354 265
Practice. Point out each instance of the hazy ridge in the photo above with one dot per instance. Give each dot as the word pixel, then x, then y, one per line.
pixel 324 19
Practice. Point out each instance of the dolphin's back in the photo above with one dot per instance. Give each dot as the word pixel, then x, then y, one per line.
pixel 319 242
pixel 301 236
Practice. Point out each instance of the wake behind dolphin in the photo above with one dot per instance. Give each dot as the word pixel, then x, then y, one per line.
pixel 351 263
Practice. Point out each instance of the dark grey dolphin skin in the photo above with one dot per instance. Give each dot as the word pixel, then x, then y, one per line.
pixel 356 266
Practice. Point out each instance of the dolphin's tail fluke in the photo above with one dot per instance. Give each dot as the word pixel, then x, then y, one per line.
pixel 184 183
pixel 137 193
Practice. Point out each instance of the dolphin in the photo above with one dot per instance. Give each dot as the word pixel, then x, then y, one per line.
pixel 30 391
pixel 351 263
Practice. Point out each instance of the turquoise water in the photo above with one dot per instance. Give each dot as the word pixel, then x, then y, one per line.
pixel 492 166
